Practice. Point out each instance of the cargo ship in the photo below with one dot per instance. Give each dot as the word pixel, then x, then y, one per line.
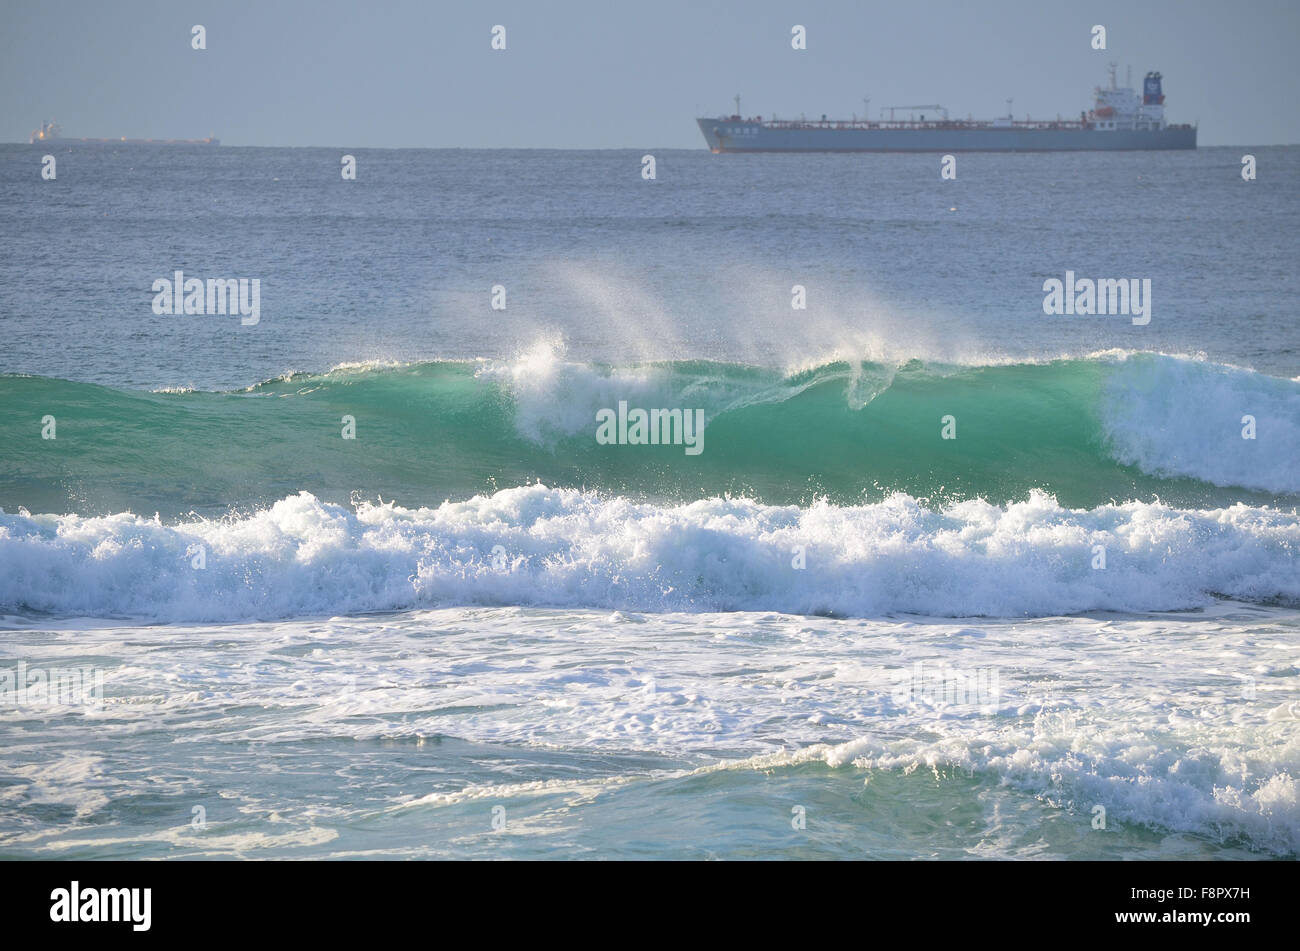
pixel 50 133
pixel 1120 119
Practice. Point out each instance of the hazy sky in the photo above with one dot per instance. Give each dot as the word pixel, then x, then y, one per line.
pixel 616 74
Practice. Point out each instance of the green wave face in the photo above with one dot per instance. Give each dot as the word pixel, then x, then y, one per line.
pixel 1088 431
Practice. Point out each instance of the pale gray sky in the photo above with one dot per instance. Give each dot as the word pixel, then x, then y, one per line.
pixel 604 74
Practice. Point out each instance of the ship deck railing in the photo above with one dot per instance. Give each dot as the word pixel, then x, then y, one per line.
pixel 885 124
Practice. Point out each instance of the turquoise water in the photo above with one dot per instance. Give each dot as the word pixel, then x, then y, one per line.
pixel 1112 427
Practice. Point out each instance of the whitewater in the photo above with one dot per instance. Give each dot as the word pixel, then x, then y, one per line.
pixel 566 548
pixel 700 731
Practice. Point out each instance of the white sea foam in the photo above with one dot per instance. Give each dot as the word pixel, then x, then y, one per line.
pixel 1175 416
pixel 555 397
pixel 1168 721
pixel 1215 787
pixel 538 546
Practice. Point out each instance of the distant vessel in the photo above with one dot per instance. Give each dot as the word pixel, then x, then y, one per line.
pixel 52 132
pixel 1120 119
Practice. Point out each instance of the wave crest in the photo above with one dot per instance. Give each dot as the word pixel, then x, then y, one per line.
pixel 565 548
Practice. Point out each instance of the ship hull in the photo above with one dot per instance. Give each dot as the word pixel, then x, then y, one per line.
pixel 723 135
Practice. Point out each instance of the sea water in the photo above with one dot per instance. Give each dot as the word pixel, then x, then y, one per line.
pixel 462 626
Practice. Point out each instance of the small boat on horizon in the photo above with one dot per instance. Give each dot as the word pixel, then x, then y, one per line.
pixel 52 132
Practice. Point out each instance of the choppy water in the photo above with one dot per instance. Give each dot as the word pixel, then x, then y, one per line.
pixel 669 734
pixel 831 632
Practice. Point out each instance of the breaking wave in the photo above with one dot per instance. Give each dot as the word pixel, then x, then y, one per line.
pixel 562 547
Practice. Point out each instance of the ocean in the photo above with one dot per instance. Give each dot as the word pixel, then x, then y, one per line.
pixel 391 567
